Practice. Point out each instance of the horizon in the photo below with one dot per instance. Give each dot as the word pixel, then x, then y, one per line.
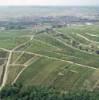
pixel 49 3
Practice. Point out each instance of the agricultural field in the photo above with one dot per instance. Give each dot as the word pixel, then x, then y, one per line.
pixel 66 58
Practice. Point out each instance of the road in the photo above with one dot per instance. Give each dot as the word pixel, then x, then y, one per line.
pixel 9 59
pixel 25 65
pixel 6 70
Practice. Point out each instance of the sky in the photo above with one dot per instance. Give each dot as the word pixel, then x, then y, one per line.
pixel 50 2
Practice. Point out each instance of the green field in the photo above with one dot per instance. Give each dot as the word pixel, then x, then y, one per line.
pixel 65 58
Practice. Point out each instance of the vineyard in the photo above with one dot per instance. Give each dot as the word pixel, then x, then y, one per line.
pixel 66 58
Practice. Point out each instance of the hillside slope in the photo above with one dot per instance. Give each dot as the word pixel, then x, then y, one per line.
pixel 66 58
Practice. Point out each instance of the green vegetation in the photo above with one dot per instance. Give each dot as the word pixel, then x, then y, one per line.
pixel 13 72
pixel 23 58
pixel 65 58
pixel 18 92
pixel 50 72
pixel 9 43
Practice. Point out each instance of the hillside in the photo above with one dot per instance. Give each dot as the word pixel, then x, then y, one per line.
pixel 66 58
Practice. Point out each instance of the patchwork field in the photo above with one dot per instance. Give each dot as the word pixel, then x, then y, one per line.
pixel 66 58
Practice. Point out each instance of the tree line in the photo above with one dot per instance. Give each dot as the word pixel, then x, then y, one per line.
pixel 19 92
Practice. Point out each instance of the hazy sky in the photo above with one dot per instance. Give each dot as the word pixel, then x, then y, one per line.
pixel 49 2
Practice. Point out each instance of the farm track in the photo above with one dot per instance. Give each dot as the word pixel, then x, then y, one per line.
pixel 8 62
pixel 22 65
pixel 87 38
pixel 91 41
pixel 92 35
pixel 18 57
pixel 21 72
pixel 58 59
pixel 70 45
pixel 5 49
pixel 6 70
pixel 36 54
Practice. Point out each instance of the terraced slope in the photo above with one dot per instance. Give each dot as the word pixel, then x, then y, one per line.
pixel 66 58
